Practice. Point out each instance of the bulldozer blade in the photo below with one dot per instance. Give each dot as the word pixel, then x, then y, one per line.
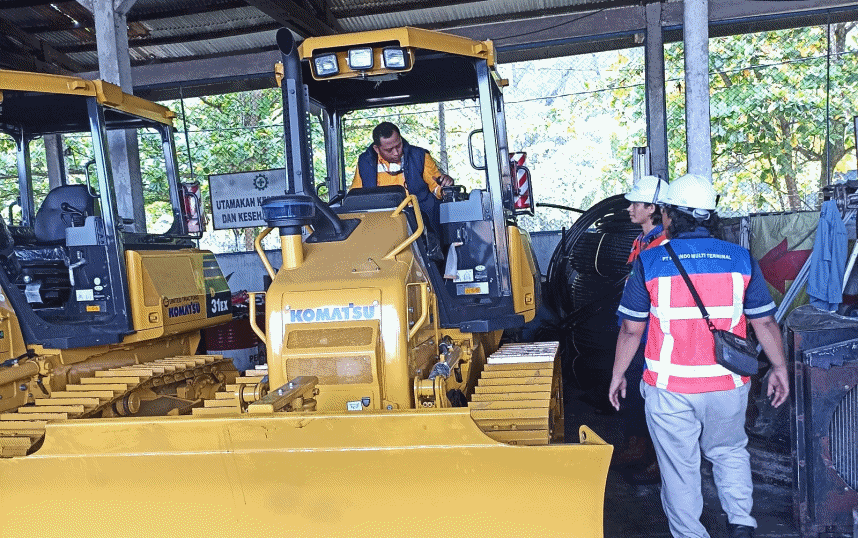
pixel 396 473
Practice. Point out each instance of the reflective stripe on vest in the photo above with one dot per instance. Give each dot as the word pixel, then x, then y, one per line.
pixel 674 316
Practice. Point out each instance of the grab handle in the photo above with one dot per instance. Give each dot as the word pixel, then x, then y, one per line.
pixel 257 245
pixel 252 305
pixel 424 309
pixel 410 199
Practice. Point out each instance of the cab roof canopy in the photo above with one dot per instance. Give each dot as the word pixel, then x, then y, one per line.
pixel 42 104
pixel 442 69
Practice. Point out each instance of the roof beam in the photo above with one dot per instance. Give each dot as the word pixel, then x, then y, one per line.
pixel 413 5
pixel 304 22
pixel 139 15
pixel 551 36
pixel 26 3
pixel 185 38
pixel 42 51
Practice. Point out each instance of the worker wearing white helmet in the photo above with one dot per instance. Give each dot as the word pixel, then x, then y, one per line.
pixel 636 456
pixel 643 210
pixel 693 404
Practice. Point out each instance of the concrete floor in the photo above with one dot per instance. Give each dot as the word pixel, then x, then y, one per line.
pixel 633 511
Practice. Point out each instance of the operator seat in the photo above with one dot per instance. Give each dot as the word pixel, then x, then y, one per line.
pixel 64 207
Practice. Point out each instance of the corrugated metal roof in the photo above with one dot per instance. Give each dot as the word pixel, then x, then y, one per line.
pixel 168 30
pixel 59 36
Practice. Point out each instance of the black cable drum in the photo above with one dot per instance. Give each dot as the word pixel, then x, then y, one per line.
pixel 584 285
pixel 603 253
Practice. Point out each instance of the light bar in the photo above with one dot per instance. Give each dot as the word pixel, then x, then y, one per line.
pixel 360 59
pixel 325 65
pixel 396 58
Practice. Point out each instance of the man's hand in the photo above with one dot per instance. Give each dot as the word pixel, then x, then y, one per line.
pixel 769 334
pixel 444 180
pixel 617 390
pixel 778 389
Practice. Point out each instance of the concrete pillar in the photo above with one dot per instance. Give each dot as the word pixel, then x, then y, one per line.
pixel 56 160
pixel 114 66
pixel 697 133
pixel 656 115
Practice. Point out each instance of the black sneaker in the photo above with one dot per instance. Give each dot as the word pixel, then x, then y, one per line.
pixel 740 531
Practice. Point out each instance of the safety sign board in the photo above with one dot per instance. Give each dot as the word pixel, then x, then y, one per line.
pixel 237 198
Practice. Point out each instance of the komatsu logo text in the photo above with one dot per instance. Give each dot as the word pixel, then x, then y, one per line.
pixel 183 310
pixel 352 312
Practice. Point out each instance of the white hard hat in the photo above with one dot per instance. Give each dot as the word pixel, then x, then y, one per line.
pixel 648 189
pixel 693 194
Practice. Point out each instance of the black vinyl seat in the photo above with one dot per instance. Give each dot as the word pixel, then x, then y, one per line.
pixel 64 207
pixel 373 198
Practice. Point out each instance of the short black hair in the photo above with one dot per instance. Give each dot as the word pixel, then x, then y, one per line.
pixel 683 222
pixel 384 129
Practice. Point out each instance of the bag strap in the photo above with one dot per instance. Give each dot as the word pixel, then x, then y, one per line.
pixel 691 288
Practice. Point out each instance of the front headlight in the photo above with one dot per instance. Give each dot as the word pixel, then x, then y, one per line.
pixel 326 65
pixel 396 58
pixel 360 59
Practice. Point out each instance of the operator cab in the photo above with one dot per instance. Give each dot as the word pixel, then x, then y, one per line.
pixel 474 260
pixel 64 242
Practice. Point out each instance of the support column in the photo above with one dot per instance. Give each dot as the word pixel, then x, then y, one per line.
pixel 114 65
pixel 698 141
pixel 656 114
pixel 56 160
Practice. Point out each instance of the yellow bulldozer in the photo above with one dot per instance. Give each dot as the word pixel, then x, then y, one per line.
pixel 379 368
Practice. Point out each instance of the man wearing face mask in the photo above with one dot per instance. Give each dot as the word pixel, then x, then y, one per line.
pixel 391 160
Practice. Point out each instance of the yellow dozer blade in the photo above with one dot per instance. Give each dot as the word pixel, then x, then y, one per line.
pixel 375 474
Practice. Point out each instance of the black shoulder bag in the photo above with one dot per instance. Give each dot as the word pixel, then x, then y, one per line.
pixel 737 354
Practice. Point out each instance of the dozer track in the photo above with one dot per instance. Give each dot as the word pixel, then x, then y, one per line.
pixel 116 390
pixel 519 399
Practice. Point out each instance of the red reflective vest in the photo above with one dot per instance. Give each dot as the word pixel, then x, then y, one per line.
pixel 639 245
pixel 680 352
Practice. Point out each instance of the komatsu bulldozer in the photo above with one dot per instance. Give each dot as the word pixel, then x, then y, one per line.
pixel 385 376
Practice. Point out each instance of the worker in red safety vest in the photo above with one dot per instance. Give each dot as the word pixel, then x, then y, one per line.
pixel 693 405
pixel 644 211
pixel 636 458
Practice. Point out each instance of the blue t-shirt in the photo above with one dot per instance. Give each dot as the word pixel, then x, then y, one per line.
pixel 635 303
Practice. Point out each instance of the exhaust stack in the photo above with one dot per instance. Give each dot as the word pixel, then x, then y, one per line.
pixel 327 226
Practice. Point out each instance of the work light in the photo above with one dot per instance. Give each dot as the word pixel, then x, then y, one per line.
pixel 360 59
pixel 396 58
pixel 326 65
